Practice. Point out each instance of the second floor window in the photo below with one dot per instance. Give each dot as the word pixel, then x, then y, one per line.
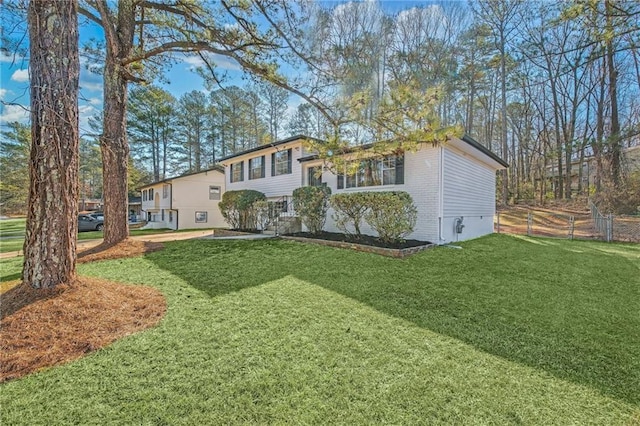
pixel 237 172
pixel 165 191
pixel 256 168
pixel 281 163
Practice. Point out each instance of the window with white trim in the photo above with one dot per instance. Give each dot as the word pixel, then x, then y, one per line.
pixel 387 170
pixel 281 163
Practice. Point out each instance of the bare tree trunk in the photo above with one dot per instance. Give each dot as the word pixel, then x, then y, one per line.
pixel 52 217
pixel 115 155
pixel 503 116
pixel 114 145
pixel 614 138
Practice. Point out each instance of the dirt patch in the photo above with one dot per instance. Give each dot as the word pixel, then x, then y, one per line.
pixel 126 248
pixel 43 328
pixel 545 222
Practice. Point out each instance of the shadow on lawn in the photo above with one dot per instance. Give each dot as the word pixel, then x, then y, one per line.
pixel 547 306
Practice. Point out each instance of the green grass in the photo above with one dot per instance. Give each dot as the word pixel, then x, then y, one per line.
pixel 12 227
pixel 506 330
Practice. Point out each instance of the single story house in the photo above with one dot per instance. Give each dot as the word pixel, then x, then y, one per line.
pixel 451 184
pixel 185 202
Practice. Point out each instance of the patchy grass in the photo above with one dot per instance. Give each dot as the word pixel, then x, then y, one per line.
pixel 507 330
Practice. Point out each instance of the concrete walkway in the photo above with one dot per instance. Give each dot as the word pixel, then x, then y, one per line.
pixel 171 236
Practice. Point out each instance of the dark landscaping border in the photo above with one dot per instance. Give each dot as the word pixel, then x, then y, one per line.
pixel 229 233
pixel 389 252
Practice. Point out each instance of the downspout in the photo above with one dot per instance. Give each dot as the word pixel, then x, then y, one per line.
pixel 441 195
pixel 171 203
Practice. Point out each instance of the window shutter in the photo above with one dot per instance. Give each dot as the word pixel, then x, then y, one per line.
pixel 399 169
pixel 289 160
pixel 262 166
pixel 242 170
pixel 340 181
pixel 273 164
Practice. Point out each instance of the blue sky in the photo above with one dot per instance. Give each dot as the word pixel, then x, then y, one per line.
pixel 14 77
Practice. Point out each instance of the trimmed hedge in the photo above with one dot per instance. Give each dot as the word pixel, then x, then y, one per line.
pixel 312 203
pixel 242 210
pixel 350 208
pixel 391 214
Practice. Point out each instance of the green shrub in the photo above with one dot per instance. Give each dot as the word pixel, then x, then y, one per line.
pixel 242 209
pixel 350 209
pixel 311 204
pixel 391 214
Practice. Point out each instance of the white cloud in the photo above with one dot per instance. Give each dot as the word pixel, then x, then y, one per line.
pixel 3 93
pixel 220 61
pixel 84 113
pixel 10 58
pixel 91 86
pixel 11 113
pixel 20 76
pixel 95 101
pixel 194 61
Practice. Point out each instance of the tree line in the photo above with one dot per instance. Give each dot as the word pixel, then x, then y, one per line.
pixel 543 85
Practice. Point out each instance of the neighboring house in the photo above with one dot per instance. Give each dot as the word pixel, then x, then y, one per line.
pixel 587 176
pixel 449 183
pixel 185 202
pixel 135 209
pixel 89 204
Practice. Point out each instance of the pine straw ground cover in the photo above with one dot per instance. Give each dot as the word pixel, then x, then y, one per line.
pixel 43 328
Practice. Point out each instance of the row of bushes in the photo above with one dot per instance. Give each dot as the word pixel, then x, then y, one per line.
pixel 391 214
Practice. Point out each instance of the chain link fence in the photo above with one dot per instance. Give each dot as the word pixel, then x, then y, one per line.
pixel 568 224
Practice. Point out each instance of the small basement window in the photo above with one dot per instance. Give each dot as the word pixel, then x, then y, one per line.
pixel 201 217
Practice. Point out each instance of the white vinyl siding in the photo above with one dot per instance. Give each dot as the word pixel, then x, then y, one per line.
pixel 272 186
pixel 469 187
pixel 468 193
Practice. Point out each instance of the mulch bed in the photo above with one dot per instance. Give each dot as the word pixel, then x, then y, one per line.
pixel 366 240
pixel 126 248
pixel 46 327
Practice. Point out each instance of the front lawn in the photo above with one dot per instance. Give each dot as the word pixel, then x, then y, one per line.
pixel 506 330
